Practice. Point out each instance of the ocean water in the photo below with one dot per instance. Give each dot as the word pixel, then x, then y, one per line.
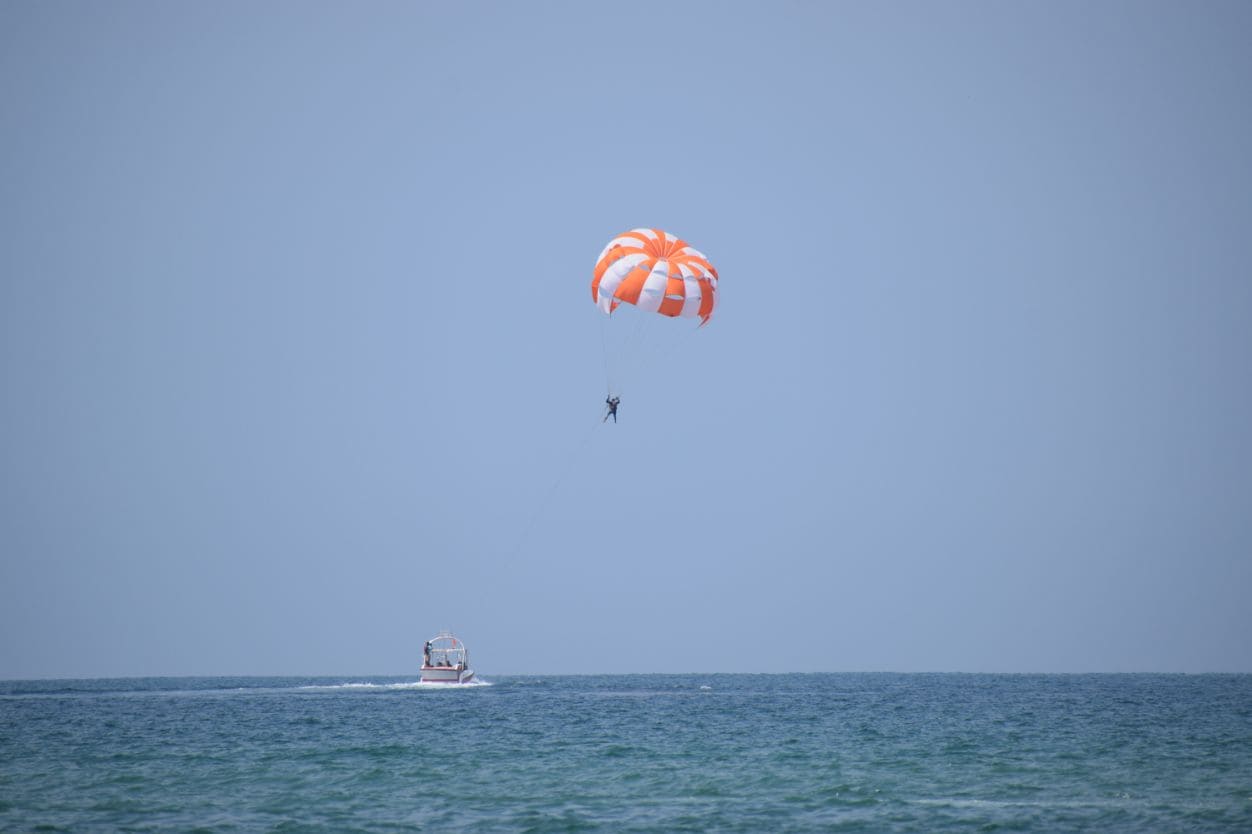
pixel 632 753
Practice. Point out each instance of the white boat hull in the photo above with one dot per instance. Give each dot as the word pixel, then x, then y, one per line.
pixel 446 674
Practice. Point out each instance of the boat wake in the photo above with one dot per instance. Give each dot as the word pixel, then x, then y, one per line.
pixel 391 687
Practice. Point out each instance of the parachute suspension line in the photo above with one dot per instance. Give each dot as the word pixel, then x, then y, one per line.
pixel 622 357
pixel 637 333
pixel 604 343
pixel 562 474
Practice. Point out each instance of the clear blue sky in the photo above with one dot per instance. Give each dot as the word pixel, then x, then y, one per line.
pixel 299 364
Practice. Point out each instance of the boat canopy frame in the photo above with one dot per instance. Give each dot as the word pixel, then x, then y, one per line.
pixel 446 651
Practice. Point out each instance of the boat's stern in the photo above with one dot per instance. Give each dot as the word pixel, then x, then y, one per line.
pixel 445 674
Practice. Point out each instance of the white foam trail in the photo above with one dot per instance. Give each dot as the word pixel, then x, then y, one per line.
pixel 387 687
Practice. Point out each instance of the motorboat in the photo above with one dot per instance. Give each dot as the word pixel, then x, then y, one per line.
pixel 445 660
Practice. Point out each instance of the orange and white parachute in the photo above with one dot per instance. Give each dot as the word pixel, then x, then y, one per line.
pixel 657 273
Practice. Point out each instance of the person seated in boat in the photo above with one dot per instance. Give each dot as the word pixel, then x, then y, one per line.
pixel 612 412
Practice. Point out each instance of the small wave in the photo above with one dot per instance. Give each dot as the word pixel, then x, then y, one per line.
pixel 955 802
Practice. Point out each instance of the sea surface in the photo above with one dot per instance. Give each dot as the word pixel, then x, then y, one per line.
pixel 631 753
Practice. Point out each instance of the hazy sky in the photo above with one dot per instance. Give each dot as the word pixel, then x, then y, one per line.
pixel 299 362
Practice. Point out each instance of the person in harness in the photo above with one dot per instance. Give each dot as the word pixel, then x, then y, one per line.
pixel 612 412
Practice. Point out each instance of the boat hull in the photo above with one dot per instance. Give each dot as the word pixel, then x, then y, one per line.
pixel 445 674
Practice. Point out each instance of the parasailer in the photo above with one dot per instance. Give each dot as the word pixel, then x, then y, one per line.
pixel 657 274
pixel 613 403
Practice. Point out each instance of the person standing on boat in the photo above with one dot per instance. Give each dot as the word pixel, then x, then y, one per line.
pixel 426 654
pixel 612 403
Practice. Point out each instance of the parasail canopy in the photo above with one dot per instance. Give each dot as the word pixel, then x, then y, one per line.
pixel 657 273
